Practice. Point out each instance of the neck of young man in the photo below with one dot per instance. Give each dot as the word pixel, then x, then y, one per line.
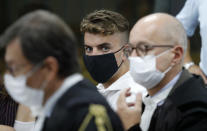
pixel 121 71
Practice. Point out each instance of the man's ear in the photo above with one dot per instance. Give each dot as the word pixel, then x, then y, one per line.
pixel 124 54
pixel 178 54
pixel 52 68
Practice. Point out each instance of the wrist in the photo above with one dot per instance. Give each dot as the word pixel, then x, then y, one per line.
pixel 188 65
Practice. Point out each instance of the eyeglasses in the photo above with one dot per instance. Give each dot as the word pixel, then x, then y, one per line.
pixel 15 70
pixel 142 49
pixel 18 69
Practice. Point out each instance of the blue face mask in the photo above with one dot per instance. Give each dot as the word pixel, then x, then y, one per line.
pixel 101 67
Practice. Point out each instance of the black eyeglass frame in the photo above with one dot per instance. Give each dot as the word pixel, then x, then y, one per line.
pixel 142 48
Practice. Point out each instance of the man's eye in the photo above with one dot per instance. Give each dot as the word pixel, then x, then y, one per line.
pixel 88 49
pixel 105 49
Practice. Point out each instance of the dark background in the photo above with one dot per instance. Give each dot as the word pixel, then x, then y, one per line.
pixel 72 11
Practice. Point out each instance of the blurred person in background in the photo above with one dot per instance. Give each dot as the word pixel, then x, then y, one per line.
pixel 105 37
pixel 8 110
pixel 15 115
pixel 192 15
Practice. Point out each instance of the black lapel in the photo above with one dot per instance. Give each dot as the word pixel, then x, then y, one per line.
pixel 185 75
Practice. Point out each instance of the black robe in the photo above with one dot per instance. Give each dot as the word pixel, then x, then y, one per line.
pixel 72 108
pixel 185 108
pixel 8 110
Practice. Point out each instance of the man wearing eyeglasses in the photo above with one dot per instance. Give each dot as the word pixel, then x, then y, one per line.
pixel 176 100
pixel 105 37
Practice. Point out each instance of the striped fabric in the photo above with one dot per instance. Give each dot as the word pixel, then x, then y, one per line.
pixel 8 110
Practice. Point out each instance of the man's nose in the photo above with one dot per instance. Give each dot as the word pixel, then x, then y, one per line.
pixel 96 52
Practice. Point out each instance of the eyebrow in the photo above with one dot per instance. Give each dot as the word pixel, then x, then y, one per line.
pixel 141 42
pixel 144 42
pixel 100 45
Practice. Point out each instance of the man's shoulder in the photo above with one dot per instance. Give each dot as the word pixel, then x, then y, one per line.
pixel 79 103
pixel 83 117
pixel 183 106
pixel 82 92
pixel 190 96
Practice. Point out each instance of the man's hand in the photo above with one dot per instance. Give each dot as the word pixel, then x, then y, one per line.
pixel 130 113
pixel 195 69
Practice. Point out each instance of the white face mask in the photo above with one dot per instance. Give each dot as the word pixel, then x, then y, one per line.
pixel 144 71
pixel 20 92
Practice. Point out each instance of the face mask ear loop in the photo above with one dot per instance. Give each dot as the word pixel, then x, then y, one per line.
pixel 121 64
pixel 34 69
pixel 44 85
pixel 162 53
pixel 119 49
pixel 167 70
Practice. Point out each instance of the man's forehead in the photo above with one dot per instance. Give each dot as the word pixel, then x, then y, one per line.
pixel 149 35
pixel 98 39
pixel 150 19
pixel 141 35
pixel 142 42
pixel 14 53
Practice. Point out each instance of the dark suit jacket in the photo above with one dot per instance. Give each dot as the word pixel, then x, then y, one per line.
pixel 185 108
pixel 73 107
pixel 8 110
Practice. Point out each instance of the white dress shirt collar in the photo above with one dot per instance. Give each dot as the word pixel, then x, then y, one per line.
pixel 169 85
pixel 113 91
pixel 49 105
pixel 117 85
pixel 151 102
pixel 68 83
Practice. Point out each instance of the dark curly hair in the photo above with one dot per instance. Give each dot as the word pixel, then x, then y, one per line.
pixel 104 22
